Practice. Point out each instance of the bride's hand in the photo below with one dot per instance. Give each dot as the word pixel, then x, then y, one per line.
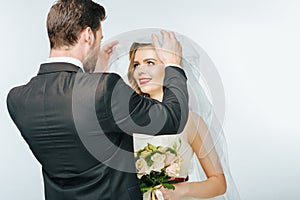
pixel 176 194
pixel 104 55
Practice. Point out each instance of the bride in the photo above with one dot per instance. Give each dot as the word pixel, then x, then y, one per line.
pixel 201 145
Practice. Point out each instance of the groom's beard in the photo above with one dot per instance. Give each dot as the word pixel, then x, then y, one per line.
pixel 91 59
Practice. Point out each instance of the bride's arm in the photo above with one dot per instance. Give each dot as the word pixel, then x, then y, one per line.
pixel 202 144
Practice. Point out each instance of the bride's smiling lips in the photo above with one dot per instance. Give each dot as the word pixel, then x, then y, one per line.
pixel 144 81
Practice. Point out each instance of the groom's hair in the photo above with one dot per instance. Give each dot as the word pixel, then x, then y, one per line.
pixel 67 18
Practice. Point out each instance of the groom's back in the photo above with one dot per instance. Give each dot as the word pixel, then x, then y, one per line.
pixel 43 111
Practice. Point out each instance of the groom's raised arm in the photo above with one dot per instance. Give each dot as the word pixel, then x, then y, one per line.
pixel 132 113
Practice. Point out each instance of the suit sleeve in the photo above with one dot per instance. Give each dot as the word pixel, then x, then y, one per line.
pixel 132 113
pixel 12 106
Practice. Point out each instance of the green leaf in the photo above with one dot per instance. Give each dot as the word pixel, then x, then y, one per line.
pixel 141 150
pixel 175 146
pixel 172 151
pixel 151 147
pixel 168 186
pixel 145 189
pixel 148 159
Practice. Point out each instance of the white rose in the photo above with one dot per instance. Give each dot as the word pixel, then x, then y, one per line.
pixel 173 170
pixel 157 166
pixel 141 166
pixel 158 158
pixel 162 149
pixel 158 162
pixel 144 154
pixel 170 158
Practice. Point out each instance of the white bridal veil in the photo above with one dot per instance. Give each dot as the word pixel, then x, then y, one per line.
pixel 206 98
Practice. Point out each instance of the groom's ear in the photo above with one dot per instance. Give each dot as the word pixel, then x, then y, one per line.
pixel 88 35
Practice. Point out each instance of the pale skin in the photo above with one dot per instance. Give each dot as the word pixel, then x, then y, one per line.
pixel 149 74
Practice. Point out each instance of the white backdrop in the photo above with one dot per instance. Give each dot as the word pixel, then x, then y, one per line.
pixel 255 47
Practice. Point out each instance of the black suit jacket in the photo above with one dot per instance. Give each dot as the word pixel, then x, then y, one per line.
pixel 79 126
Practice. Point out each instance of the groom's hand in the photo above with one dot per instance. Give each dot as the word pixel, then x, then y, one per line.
pixel 170 51
pixel 103 57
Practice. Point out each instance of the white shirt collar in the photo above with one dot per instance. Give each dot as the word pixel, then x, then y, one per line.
pixel 73 61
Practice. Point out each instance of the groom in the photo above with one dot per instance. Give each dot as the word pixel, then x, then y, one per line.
pixel 78 125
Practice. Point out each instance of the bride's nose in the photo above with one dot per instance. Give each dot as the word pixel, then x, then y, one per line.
pixel 141 69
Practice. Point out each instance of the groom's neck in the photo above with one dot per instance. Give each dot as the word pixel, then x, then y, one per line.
pixel 73 52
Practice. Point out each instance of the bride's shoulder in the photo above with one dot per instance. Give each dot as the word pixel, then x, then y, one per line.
pixel 194 126
pixel 194 119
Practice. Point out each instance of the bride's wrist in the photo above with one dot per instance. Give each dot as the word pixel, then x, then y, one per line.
pixel 184 189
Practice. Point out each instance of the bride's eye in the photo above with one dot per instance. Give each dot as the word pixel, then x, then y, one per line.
pixel 135 65
pixel 150 63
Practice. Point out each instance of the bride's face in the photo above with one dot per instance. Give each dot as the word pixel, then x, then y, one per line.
pixel 149 71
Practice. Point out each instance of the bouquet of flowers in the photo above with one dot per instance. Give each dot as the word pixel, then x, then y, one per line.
pixel 157 166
